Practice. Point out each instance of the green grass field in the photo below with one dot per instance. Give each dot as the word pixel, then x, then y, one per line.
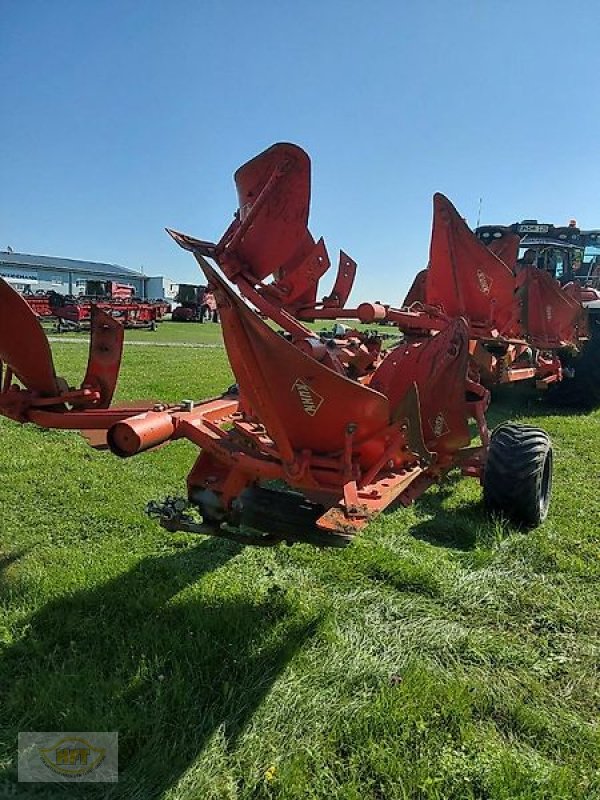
pixel 441 655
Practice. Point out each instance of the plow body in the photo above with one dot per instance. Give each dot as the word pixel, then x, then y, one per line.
pixel 466 278
pixel 318 435
pixel 350 447
pixel 519 317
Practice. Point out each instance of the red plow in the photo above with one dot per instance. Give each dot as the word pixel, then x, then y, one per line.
pixel 521 320
pixel 317 436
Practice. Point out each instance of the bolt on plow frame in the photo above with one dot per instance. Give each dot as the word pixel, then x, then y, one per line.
pixel 318 435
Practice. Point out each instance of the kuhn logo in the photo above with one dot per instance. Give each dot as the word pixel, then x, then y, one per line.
pixel 485 282
pixel 311 401
pixel 439 426
pixel 549 313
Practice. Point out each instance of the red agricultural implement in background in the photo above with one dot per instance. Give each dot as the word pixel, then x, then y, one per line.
pixel 317 436
pixel 39 303
pixel 572 257
pixel 75 313
pixel 116 299
pixel 523 324
pixel 109 289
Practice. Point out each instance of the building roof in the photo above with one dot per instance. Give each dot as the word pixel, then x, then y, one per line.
pixel 63 264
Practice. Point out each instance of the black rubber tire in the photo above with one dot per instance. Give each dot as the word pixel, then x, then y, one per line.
pixel 583 389
pixel 517 480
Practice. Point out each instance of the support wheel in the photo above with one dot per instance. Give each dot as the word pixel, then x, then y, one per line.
pixel 517 481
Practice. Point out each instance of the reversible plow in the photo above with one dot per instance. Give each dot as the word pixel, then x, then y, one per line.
pixel 318 435
pixel 522 323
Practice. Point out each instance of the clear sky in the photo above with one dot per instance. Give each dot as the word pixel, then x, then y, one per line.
pixel 120 117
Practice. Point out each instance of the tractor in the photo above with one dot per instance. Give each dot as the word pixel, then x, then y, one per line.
pixel 317 436
pixel 195 304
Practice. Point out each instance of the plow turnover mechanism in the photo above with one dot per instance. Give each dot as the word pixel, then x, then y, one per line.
pixel 317 436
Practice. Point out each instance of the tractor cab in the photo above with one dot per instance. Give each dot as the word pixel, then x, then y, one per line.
pixel 567 253
pixel 195 304
pixel 108 290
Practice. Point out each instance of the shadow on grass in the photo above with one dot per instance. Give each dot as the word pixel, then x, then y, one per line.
pixel 466 526
pixel 458 527
pixel 149 655
pixel 522 399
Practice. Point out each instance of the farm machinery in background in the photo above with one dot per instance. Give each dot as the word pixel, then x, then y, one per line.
pixel 39 303
pixel 572 257
pixel 196 304
pixel 530 294
pixel 317 436
pixel 116 299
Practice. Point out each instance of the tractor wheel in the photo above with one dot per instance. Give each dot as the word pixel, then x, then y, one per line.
pixel 517 480
pixel 583 389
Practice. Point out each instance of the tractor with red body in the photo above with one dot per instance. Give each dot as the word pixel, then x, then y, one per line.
pixel 318 435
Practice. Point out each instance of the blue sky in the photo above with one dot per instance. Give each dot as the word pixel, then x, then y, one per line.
pixel 120 118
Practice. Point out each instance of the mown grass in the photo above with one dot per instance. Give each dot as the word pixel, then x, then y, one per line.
pixel 442 655
pixel 172 332
pixel 207 334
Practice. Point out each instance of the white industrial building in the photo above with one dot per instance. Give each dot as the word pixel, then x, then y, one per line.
pixel 69 276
